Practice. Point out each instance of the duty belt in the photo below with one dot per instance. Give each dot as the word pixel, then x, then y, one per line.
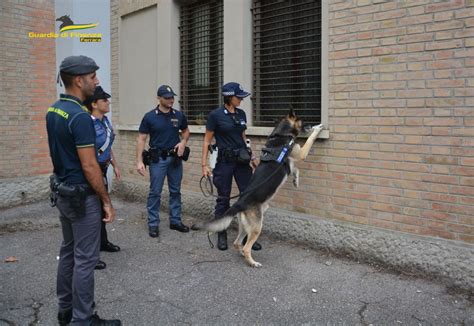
pixel 163 153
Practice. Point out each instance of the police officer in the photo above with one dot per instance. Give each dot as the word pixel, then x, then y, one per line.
pixel 80 189
pixel 228 124
pixel 163 124
pixel 98 105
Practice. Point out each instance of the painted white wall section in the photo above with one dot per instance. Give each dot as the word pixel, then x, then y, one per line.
pixel 238 47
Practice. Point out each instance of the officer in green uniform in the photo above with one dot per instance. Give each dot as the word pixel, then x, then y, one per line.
pixel 78 190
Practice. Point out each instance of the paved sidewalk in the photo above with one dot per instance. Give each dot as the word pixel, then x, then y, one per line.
pixel 179 279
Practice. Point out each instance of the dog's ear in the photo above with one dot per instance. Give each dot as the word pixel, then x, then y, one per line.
pixel 291 113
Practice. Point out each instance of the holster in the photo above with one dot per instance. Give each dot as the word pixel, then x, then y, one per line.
pixel 146 157
pixel 186 153
pixel 75 195
pixel 53 186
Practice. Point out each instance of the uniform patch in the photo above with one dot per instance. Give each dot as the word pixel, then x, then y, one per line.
pixel 60 112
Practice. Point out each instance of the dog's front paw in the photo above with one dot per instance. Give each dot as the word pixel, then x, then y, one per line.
pixel 318 127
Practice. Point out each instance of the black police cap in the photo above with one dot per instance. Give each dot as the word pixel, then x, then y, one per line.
pixel 99 94
pixel 78 65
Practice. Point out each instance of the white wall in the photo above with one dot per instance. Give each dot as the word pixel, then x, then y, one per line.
pixel 238 48
pixel 85 12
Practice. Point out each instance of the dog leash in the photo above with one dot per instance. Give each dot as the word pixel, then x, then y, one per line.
pixel 209 238
pixel 210 187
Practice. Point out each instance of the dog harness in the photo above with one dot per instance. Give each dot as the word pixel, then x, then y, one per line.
pixel 278 154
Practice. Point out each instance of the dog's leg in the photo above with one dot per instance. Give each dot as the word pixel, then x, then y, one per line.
pixel 296 177
pixel 300 153
pixel 254 228
pixel 241 235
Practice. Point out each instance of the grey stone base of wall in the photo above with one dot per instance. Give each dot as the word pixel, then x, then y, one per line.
pixel 20 191
pixel 448 261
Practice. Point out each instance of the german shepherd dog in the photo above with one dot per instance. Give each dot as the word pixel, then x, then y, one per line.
pixel 276 164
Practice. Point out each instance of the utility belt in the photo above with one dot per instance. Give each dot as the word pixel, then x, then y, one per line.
pixel 76 193
pixel 238 155
pixel 153 155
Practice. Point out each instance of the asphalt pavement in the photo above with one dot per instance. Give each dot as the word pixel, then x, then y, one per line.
pixel 178 279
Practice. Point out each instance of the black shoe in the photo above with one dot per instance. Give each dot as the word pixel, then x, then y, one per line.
pixel 256 246
pixel 222 240
pixel 110 247
pixel 64 317
pixel 179 227
pixel 100 265
pixel 153 232
pixel 97 321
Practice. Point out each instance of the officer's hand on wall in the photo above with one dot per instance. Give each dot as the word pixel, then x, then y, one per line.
pixel 109 214
pixel 141 168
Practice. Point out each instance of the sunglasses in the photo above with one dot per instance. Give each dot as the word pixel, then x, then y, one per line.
pixel 169 98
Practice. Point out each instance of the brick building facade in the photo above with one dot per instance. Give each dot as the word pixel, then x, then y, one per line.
pixel 400 117
pixel 392 177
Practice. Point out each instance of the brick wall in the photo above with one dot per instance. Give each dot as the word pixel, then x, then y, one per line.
pixel 27 86
pixel 401 151
pixel 401 118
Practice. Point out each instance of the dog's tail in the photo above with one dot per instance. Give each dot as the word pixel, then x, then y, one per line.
pixel 217 224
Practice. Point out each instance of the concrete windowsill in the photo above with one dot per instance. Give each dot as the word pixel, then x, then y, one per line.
pixel 251 131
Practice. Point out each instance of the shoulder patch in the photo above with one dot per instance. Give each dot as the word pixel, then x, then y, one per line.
pixel 60 112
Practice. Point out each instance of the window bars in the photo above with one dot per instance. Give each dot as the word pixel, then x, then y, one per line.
pixel 286 60
pixel 201 58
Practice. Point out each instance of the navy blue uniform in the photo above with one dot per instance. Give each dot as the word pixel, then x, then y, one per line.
pixel 163 129
pixel 228 129
pixel 70 127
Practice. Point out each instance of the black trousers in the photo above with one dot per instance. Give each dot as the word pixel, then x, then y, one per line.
pixel 103 234
pixel 103 230
pixel 222 178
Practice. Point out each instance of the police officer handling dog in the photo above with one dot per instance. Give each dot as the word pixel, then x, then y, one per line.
pixel 78 190
pixel 227 124
pixel 163 124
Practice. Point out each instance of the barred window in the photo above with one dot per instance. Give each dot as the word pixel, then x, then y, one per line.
pixel 286 60
pixel 201 61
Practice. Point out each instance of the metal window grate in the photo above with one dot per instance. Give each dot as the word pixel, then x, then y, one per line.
pixel 201 37
pixel 286 60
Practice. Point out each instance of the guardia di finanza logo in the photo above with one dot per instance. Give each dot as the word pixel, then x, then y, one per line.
pixel 68 29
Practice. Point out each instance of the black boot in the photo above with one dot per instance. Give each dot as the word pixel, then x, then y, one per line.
pixel 256 246
pixel 222 240
pixel 100 265
pixel 64 317
pixel 97 321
